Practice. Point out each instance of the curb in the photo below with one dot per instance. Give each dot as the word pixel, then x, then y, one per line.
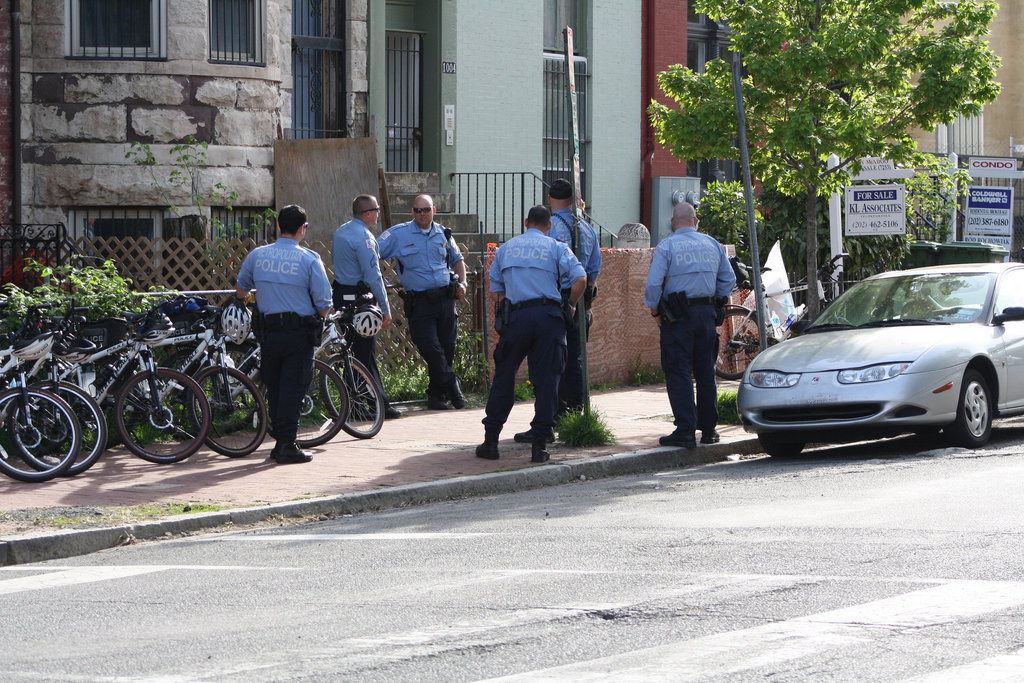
pixel 63 544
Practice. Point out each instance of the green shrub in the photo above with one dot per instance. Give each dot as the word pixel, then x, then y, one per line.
pixel 727 412
pixel 582 428
pixel 642 373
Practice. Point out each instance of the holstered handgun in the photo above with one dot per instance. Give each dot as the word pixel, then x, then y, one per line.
pixel 502 314
pixel 720 303
pixel 259 328
pixel 568 314
pixel 589 294
pixel 406 297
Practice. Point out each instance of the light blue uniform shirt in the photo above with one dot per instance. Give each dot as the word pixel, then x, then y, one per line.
pixel 355 258
pixel 421 255
pixel 589 248
pixel 288 278
pixel 688 261
pixel 534 266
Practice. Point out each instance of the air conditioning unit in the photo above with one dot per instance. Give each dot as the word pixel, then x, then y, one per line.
pixel 667 191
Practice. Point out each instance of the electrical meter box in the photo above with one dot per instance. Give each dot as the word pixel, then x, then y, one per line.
pixel 667 191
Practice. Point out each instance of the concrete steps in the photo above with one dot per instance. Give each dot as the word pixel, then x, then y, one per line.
pixel 403 189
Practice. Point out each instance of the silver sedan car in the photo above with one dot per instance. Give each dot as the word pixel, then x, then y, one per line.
pixel 907 351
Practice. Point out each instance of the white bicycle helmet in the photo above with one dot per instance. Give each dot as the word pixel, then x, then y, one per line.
pixel 368 320
pixel 35 348
pixel 75 350
pixel 160 329
pixel 235 321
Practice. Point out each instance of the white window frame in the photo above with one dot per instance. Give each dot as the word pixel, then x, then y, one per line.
pixel 77 217
pixel 157 49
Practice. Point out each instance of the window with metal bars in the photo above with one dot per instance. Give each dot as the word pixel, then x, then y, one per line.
pixel 115 222
pixel 236 31
pixel 241 222
pixel 557 128
pixel 117 29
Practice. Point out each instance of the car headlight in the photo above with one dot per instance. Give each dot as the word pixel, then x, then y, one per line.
pixel 874 373
pixel 771 379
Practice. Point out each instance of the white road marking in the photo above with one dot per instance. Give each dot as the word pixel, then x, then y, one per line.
pixel 772 644
pixel 72 576
pixel 398 536
pixel 1002 668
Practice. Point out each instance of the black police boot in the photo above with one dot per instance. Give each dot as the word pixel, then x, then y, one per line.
pixel 539 452
pixel 392 413
pixel 435 402
pixel 455 392
pixel 709 436
pixel 488 450
pixel 275 450
pixel 528 435
pixel 679 438
pixel 290 453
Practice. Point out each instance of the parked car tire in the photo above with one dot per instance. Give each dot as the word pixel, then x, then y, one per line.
pixel 973 424
pixel 779 447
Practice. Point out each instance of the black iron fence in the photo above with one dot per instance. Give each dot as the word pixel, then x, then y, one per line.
pixel 44 243
pixel 501 201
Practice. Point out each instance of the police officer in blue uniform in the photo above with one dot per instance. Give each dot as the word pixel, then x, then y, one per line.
pixel 689 281
pixel 357 271
pixel 588 251
pixel 293 296
pixel 527 274
pixel 433 275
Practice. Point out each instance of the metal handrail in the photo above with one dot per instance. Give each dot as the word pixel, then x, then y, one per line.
pixel 501 200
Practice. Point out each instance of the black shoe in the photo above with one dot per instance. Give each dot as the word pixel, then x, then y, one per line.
pixel 488 450
pixel 527 436
pixel 683 439
pixel 709 436
pixel 539 454
pixel 436 403
pixel 291 453
pixel 458 400
pixel 392 413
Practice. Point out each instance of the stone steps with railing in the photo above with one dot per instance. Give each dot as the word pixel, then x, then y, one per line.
pixel 403 189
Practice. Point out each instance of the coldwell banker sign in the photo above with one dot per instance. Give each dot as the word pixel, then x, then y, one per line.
pixel 876 210
pixel 989 216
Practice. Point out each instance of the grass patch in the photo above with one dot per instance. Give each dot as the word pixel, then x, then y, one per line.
pixel 727 411
pixel 580 428
pixel 642 373
pixel 123 515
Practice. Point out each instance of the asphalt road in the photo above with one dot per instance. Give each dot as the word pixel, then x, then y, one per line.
pixel 886 562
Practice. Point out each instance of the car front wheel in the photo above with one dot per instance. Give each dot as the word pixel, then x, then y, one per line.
pixel 973 424
pixel 778 447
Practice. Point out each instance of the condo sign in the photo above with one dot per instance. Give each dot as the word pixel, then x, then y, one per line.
pixel 989 216
pixel 876 210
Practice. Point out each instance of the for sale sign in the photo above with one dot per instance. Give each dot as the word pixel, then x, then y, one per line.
pixel 989 216
pixel 876 210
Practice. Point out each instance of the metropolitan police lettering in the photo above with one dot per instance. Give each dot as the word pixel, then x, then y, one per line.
pixel 282 261
pixel 693 252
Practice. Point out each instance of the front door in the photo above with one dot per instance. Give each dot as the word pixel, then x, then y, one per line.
pixel 404 148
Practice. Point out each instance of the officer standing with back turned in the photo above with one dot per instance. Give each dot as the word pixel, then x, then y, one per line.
pixel 527 274
pixel 294 297
pixel 689 281
pixel 433 276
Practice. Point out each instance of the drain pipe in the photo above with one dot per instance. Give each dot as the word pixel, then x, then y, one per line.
pixel 16 111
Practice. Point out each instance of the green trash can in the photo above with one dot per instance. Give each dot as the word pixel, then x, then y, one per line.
pixel 922 253
pixel 971 252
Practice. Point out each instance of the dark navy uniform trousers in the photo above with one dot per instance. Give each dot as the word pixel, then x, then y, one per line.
pixel 286 367
pixel 689 346
pixel 433 326
pixel 537 334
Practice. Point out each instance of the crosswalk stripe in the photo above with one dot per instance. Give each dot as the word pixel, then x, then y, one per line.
pixel 72 576
pixel 773 644
pixel 1001 668
pixel 398 536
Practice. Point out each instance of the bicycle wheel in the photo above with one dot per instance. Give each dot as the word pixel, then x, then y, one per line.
pixel 738 342
pixel 238 412
pixel 365 398
pixel 324 407
pixel 41 436
pixel 90 417
pixel 162 418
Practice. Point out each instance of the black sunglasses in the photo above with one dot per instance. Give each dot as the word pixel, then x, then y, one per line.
pixel 425 209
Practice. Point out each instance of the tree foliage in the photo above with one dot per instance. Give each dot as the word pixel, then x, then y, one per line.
pixel 845 77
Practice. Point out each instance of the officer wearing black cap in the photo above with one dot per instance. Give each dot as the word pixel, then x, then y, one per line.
pixel 527 274
pixel 689 279
pixel 293 295
pixel 433 275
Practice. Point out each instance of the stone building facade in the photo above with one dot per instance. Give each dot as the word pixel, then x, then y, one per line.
pixel 216 71
pixel 6 115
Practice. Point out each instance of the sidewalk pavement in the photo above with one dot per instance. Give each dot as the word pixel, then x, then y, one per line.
pixel 425 456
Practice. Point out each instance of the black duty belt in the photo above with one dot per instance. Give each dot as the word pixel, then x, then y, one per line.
pixel 282 322
pixel 432 294
pixel 530 303
pixel 701 301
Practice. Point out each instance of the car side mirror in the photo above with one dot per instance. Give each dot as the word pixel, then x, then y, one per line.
pixel 1011 313
pixel 799 327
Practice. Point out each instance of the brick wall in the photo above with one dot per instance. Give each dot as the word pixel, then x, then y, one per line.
pixel 6 120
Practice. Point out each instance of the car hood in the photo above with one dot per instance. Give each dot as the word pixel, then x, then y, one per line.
pixel 945 345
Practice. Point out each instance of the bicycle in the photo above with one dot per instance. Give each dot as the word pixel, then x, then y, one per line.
pixel 161 415
pixel 739 336
pixel 365 416
pixel 41 436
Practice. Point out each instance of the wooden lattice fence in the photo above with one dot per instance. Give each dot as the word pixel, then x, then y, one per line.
pixel 186 265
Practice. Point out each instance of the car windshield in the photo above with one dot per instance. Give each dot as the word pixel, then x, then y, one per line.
pixel 910 299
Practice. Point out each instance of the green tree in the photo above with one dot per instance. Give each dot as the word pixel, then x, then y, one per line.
pixel 844 77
